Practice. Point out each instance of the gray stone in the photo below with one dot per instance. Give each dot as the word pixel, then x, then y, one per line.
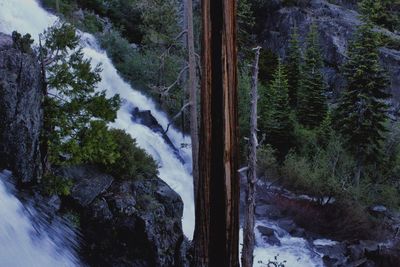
pixel 265 231
pixel 287 225
pixel 20 111
pixel 336 24
pixel 135 221
pixel 272 240
pixel 88 183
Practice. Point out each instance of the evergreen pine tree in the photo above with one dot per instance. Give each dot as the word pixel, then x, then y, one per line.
pixel 361 114
pixel 279 126
pixel 311 100
pixel 381 12
pixel 72 105
pixel 293 67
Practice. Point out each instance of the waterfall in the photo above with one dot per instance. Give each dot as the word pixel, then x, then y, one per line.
pixel 24 243
pixel 17 247
pixel 27 16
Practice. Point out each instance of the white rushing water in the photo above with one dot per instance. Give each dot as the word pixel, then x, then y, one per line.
pixel 23 243
pixel 293 251
pixel 26 16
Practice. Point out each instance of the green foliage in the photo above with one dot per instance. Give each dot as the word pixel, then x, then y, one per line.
pixel 279 124
pixel 293 66
pixel 385 13
pixel 98 145
pixel 91 23
pixel 56 185
pixel 267 165
pixel 72 104
pixel 246 23
pixel 22 43
pixel 361 114
pixel 311 99
pixel 267 66
pixel 132 161
pixel 244 83
pixel 66 6
pixel 326 173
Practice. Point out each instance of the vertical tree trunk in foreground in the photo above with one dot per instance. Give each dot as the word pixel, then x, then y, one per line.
pixel 248 229
pixel 192 87
pixel 217 206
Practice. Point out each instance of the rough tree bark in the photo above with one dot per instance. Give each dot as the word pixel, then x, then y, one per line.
pixel 192 88
pixel 248 229
pixel 217 206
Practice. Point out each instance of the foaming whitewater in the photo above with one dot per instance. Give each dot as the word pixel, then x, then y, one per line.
pixel 26 16
pixel 23 243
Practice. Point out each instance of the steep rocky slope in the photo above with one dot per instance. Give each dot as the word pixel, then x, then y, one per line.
pixel 336 24
pixel 20 111
pixel 134 222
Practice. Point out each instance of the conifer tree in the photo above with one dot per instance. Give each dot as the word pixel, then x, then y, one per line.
pixel 381 12
pixel 311 100
pixel 72 105
pixel 293 67
pixel 361 114
pixel 279 125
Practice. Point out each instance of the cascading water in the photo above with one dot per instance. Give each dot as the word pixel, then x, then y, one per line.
pixel 26 16
pixel 23 243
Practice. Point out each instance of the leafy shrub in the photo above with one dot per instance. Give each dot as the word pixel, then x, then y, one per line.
pixel 266 162
pixel 56 185
pixel 132 161
pixel 92 24
pixel 327 173
pixel 22 43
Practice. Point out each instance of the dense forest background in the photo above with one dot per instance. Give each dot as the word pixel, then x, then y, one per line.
pixel 318 139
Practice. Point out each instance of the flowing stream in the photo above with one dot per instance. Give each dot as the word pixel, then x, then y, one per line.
pixel 27 239
pixel 17 247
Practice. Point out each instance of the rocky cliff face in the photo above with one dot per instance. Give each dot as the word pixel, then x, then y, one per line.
pixel 20 111
pixel 127 223
pixel 336 23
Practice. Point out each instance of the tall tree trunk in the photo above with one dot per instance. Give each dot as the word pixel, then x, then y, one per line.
pixel 217 202
pixel 192 88
pixel 248 229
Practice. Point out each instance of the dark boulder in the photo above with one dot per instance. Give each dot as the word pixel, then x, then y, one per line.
pixel 147 119
pixel 20 111
pixel 287 225
pixel 272 240
pixel 265 231
pixel 130 223
pixel 88 183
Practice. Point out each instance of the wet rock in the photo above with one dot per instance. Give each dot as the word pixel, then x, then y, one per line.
pixel 355 252
pixel 88 183
pixel 134 223
pixel 265 231
pixel 268 211
pixel 287 225
pixel 147 119
pixel 262 210
pixel 20 111
pixel 272 240
pixel 334 255
pixel 298 232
